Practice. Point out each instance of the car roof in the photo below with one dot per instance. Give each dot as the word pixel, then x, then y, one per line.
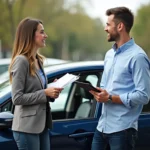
pixel 63 67
pixel 4 76
pixel 53 61
pixel 47 61
pixel 74 65
pixel 4 61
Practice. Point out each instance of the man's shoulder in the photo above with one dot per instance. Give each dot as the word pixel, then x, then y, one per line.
pixel 138 51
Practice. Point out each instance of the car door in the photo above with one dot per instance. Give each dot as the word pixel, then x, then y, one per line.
pixel 144 129
pixel 6 137
pixel 70 131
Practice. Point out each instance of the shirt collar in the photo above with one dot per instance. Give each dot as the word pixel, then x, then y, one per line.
pixel 123 47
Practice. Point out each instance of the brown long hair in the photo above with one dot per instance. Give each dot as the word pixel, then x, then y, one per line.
pixel 24 43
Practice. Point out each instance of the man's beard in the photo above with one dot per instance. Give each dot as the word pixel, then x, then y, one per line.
pixel 113 37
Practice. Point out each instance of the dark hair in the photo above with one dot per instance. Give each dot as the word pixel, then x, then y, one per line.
pixel 122 14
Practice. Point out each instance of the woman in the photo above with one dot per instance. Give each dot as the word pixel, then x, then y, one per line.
pixel 30 95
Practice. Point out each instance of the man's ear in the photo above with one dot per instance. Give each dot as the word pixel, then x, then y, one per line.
pixel 120 26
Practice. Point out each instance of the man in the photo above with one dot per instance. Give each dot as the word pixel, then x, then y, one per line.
pixel 124 87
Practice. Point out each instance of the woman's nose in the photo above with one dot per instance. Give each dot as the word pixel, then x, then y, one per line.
pixel 46 35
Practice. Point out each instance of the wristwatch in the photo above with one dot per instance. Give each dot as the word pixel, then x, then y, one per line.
pixel 109 98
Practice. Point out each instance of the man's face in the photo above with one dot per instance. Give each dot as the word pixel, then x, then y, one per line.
pixel 111 29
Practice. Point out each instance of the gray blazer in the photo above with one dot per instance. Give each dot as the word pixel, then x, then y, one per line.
pixel 32 112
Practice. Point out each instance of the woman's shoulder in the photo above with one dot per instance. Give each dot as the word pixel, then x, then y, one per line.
pixel 21 60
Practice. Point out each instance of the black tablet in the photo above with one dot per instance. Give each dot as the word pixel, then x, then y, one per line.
pixel 87 86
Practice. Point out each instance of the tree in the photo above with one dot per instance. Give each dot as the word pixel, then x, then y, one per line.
pixel 70 30
pixel 141 30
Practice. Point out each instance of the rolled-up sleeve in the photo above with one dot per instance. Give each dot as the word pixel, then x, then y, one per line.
pixel 140 70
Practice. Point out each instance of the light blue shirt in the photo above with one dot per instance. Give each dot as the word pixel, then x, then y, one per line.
pixel 127 74
pixel 42 77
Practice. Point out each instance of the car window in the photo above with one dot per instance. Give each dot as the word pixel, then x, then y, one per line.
pixel 6 107
pixel 4 88
pixel 60 102
pixel 93 80
pixel 75 102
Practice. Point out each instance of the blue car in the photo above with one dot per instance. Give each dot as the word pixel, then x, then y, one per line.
pixel 75 113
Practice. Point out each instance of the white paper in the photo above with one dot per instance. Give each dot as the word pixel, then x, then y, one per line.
pixel 64 80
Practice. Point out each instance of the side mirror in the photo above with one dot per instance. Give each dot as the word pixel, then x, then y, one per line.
pixel 6 119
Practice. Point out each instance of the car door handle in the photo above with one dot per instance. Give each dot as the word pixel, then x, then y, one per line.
pixel 79 135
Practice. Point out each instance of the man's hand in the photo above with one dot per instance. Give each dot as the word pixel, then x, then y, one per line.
pixel 101 96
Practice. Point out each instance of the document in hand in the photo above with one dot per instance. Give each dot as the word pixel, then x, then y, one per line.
pixel 64 80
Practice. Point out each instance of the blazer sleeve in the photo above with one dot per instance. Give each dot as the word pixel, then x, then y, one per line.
pixel 19 72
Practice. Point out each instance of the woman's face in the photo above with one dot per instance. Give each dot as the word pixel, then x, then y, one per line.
pixel 40 36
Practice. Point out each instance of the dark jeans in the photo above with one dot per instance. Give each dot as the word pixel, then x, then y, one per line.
pixel 27 141
pixel 123 140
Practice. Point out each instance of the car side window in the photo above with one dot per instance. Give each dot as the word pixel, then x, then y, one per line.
pixel 93 80
pixel 6 107
pixel 75 102
pixel 60 102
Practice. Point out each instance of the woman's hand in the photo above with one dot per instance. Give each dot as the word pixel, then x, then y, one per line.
pixel 53 92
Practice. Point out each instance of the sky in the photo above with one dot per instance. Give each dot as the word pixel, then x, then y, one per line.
pixel 98 7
